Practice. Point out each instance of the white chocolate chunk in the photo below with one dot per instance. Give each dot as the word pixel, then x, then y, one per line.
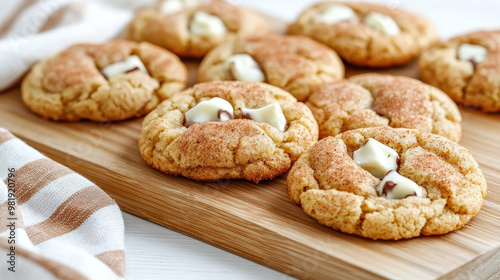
pixel 174 6
pixel 336 13
pixel 270 114
pixel 376 158
pixel 382 23
pixel 244 68
pixel 213 110
pixel 132 63
pixel 206 24
pixel 396 186
pixel 469 52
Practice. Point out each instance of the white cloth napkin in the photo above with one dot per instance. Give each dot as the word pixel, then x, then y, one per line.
pixel 31 30
pixel 54 223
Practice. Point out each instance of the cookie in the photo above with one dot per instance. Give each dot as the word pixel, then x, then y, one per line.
pixel 367 34
pixel 103 82
pixel 370 100
pixel 296 64
pixel 190 28
pixel 241 145
pixel 467 68
pixel 449 187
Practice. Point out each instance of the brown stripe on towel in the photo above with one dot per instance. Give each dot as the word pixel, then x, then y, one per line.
pixel 4 28
pixel 115 260
pixel 54 20
pixel 5 136
pixel 34 176
pixel 57 269
pixel 70 214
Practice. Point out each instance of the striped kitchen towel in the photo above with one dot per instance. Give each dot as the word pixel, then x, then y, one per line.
pixel 31 30
pixel 54 223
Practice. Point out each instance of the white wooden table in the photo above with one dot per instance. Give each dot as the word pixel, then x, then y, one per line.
pixel 155 252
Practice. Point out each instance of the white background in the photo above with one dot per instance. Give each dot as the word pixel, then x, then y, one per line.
pixel 155 252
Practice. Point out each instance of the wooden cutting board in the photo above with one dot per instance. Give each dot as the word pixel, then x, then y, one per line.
pixel 259 222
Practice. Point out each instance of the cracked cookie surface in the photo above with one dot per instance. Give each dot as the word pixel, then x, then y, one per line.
pixel 70 86
pixel 370 100
pixel 333 189
pixel 476 86
pixel 296 64
pixel 360 45
pixel 171 31
pixel 233 149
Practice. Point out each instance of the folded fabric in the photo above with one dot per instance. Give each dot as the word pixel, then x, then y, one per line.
pixel 31 30
pixel 54 223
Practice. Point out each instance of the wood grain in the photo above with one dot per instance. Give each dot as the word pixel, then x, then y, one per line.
pixel 259 222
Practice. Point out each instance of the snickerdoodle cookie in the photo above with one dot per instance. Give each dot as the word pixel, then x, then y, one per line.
pixel 367 34
pixel 370 100
pixel 103 82
pixel 227 130
pixel 296 64
pixel 386 183
pixel 467 68
pixel 190 28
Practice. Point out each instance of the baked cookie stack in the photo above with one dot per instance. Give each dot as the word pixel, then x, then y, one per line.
pixel 387 164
